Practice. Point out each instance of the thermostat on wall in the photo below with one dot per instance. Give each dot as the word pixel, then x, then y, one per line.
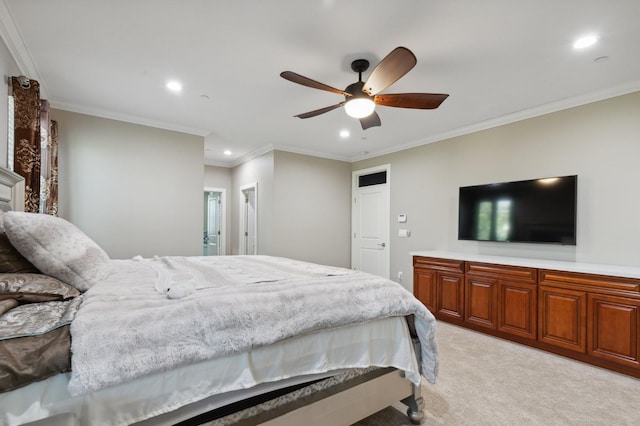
pixel 402 218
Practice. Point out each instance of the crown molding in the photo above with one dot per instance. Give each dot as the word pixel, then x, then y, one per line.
pixel 271 147
pixel 250 156
pixel 217 164
pixel 96 112
pixel 311 153
pixel 18 48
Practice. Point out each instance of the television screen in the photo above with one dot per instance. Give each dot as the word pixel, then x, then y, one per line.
pixel 529 211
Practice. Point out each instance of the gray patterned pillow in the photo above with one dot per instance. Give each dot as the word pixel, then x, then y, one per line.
pixel 33 288
pixel 57 248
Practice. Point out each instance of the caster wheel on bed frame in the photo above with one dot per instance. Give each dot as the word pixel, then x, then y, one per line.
pixel 415 406
pixel 415 417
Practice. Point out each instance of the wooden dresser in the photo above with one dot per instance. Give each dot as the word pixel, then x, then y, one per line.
pixel 583 311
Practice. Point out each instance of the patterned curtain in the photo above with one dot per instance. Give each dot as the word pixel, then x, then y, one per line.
pixel 51 181
pixel 49 162
pixel 35 147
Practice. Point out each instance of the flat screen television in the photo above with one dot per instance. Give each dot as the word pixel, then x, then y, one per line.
pixel 528 211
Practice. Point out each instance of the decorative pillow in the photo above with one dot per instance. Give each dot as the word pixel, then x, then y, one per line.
pixel 33 288
pixel 10 259
pixel 57 248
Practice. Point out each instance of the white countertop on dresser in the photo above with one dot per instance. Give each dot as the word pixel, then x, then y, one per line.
pixel 558 265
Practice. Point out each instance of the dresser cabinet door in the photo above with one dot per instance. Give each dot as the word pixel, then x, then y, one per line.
pixel 517 309
pixel 562 315
pixel 450 292
pixel 614 323
pixel 480 301
pixel 424 287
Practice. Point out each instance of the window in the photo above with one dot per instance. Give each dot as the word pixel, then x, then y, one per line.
pixel 378 178
pixel 494 220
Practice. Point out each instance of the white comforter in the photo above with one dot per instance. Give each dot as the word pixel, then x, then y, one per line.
pixel 127 328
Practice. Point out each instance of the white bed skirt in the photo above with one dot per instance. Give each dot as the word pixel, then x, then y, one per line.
pixel 382 343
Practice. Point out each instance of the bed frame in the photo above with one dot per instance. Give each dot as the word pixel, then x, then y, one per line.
pixel 343 405
pixel 350 405
pixel 12 189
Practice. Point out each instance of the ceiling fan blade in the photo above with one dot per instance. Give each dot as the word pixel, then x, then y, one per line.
pixel 411 100
pixel 319 111
pixel 389 70
pixel 371 120
pixel 305 81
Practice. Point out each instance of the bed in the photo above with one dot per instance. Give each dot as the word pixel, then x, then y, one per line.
pixel 191 340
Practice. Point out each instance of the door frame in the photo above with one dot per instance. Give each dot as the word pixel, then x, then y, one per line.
pixel 354 188
pixel 243 219
pixel 222 241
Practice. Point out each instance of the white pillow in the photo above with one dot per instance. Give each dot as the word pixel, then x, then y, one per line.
pixel 57 248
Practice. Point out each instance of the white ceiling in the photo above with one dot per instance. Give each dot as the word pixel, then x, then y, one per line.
pixel 500 61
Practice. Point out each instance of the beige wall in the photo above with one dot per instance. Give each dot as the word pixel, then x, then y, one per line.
pixel 599 142
pixel 8 68
pixel 259 171
pixel 303 207
pixel 312 212
pixel 217 177
pixel 135 190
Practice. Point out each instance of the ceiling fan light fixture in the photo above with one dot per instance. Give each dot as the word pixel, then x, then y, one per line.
pixel 361 97
pixel 359 107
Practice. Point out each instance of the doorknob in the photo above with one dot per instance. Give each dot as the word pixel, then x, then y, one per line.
pixel 382 245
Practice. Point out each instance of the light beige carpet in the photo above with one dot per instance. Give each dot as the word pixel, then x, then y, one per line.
pixel 488 381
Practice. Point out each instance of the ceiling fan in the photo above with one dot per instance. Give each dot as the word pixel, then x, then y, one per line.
pixel 362 97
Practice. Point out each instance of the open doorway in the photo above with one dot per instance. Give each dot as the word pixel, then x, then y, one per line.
pixel 249 219
pixel 213 231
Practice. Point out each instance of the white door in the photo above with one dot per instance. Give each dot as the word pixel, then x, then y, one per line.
pixel 214 227
pixel 370 221
pixel 212 231
pixel 249 212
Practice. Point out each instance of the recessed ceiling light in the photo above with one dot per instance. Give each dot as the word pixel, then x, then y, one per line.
pixel 227 152
pixel 174 86
pixel 585 41
pixel 344 133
